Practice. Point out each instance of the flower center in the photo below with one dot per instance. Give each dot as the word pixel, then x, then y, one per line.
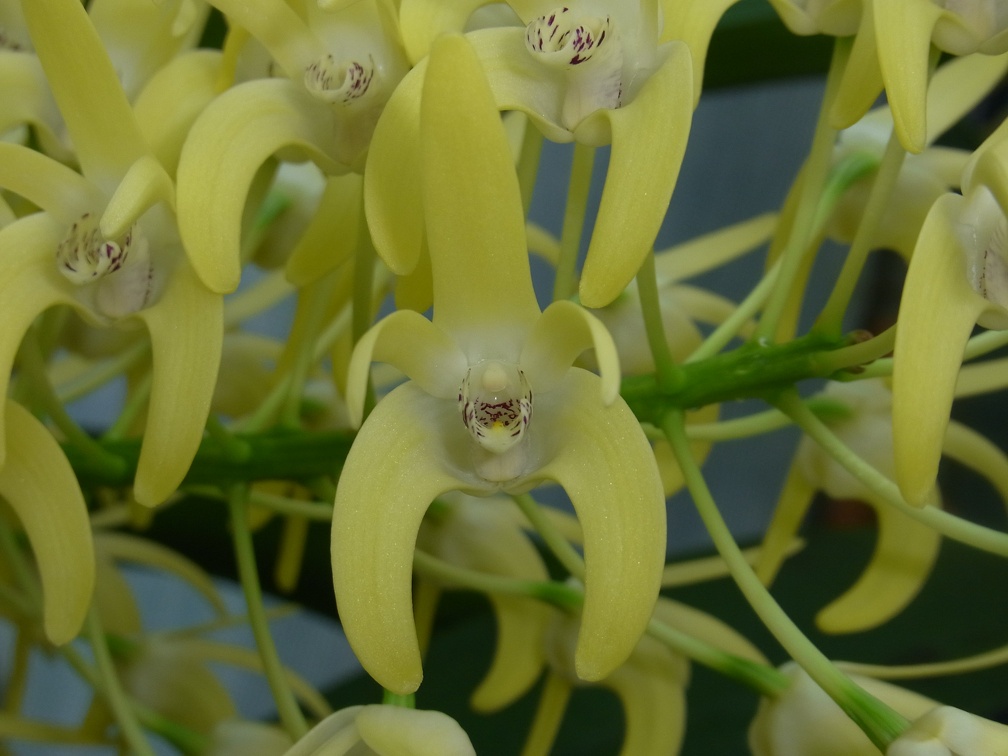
pixel 120 267
pixel 988 270
pixel 496 403
pixel 588 49
pixel 342 83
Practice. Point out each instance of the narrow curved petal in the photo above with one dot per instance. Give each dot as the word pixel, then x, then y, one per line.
pixel 958 86
pixel 393 472
pixel 145 184
pixel 714 249
pixel 186 331
pixel 331 237
pixel 222 154
pixel 713 631
pixel 29 285
pixel 654 706
pixel 861 83
pixel 795 499
pixel 901 563
pixel 694 24
pixel 392 178
pixel 472 202
pixel 971 449
pixel 167 107
pixel 45 182
pixel 423 21
pixel 937 313
pixel 904 29
pixel 593 451
pixel 397 730
pixel 410 342
pixel 559 336
pixel 41 488
pixel 648 143
pixel 97 114
pixel 27 100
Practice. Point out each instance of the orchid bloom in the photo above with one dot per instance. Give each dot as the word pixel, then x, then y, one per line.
pixel 379 730
pixel 893 42
pixel 107 244
pixel 340 64
pixel 593 72
pixel 492 405
pixel 947 731
pixel 957 279
pixel 39 485
pixel 804 720
pixel 906 549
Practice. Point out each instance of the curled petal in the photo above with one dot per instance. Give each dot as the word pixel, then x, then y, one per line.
pixel 186 332
pixel 225 149
pixel 559 336
pixel 145 184
pixel 862 79
pixel 592 451
pixel 392 473
pixel 472 206
pixel 410 342
pixel 41 488
pixel 694 23
pixel 648 143
pixel 937 314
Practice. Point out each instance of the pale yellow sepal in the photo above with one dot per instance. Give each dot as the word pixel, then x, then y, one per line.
pixel 332 235
pixel 792 505
pixel 838 18
pixel 693 23
pixel 186 331
pixel 27 100
pixel 648 144
pixel 713 631
pixel 423 21
pixel 605 451
pixel 60 191
pixel 862 78
pixel 947 731
pixel 973 450
pixel 937 313
pixel 229 142
pixel 40 486
pixel 105 137
pixel 144 185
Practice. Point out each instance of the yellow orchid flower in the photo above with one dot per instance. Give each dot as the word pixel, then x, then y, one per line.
pixel 906 549
pixel 956 280
pixel 593 72
pixel 340 64
pixel 40 487
pixel 945 731
pixel 378 730
pixel 467 420
pixel 107 244
pixel 804 720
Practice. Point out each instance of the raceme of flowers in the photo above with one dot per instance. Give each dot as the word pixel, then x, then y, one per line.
pixel 171 171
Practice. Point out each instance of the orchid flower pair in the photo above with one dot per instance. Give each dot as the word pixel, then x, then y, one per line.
pixel 492 404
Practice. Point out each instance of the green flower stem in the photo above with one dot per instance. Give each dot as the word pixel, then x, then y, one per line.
pixel 310 510
pixel 35 377
pixel 554 539
pixel 849 361
pixel 102 372
pixel 407 701
pixel 830 320
pixel 557 594
pixel 813 178
pixel 974 663
pixel 113 692
pixel 234 449
pixel 757 423
pixel 977 346
pixel 669 375
pixel 565 283
pixel 135 403
pixel 765 680
pixel 290 714
pixel 528 163
pixel 947 524
pixel 879 722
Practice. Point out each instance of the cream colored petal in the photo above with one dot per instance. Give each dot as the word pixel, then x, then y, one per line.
pixel 795 499
pixel 472 203
pixel 901 563
pixel 937 313
pixel 41 488
pixel 331 237
pixel 861 83
pixel 392 178
pixel 145 184
pixel 593 450
pixel 947 730
pixel 98 116
pixel 29 285
pixel 394 470
pixel 417 347
pixel 395 730
pixel 904 29
pixel 167 107
pixel 559 336
pixel 58 190
pixel 339 724
pixel 648 143
pixel 229 142
pixel 714 249
pixel 186 332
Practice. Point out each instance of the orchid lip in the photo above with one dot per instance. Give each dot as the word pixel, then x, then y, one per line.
pixel 343 83
pixel 496 403
pixel 85 255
